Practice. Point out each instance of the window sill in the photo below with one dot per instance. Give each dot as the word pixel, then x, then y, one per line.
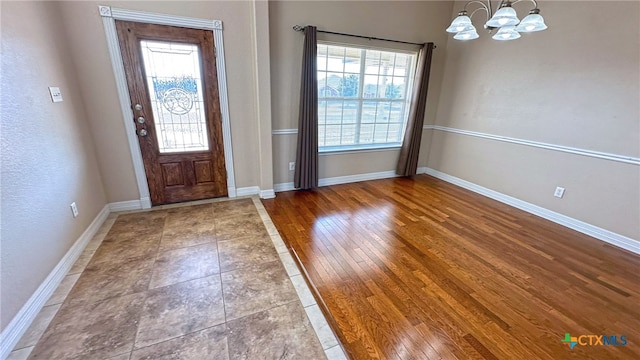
pixel 358 150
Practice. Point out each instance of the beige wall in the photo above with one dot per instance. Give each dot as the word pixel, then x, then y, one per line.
pixel 262 74
pixel 53 154
pixel 89 48
pixel 417 21
pixel 48 160
pixel 575 84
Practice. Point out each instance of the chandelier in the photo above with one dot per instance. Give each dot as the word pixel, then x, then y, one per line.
pixel 505 20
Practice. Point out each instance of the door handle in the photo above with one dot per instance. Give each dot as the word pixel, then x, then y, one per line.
pixel 143 132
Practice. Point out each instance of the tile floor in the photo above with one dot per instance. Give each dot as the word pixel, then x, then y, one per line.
pixel 211 280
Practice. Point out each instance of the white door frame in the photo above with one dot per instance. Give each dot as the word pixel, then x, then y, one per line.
pixel 109 15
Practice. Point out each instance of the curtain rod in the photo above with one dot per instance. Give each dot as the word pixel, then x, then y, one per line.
pixel 301 28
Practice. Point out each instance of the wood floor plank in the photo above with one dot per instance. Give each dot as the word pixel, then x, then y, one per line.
pixel 422 269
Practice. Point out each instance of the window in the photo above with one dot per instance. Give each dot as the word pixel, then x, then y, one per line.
pixel 363 97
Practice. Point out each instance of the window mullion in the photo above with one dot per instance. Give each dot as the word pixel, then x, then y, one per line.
pixel 393 71
pixel 363 60
pixel 344 54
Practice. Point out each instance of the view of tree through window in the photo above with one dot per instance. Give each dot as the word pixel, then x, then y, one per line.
pixel 363 97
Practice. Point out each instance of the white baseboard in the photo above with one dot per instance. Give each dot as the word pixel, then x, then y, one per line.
pixel 581 226
pixel 23 319
pixel 255 190
pixel 267 194
pixel 248 191
pixel 575 224
pixel 356 178
pixel 126 205
pixel 341 180
pixel 283 187
pixel 145 202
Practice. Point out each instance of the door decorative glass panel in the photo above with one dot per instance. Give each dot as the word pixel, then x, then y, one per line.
pixel 174 80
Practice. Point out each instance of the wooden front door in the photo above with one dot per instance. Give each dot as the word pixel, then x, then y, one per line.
pixel 173 85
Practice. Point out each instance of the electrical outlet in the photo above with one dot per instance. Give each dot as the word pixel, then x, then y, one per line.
pixel 292 166
pixel 559 192
pixel 74 209
pixel 56 95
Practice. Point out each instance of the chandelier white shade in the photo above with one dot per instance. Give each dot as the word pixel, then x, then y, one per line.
pixel 459 24
pixel 506 33
pixel 532 22
pixel 505 20
pixel 468 34
pixel 505 16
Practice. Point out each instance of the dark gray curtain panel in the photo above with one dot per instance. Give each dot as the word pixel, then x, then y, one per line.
pixel 306 173
pixel 408 161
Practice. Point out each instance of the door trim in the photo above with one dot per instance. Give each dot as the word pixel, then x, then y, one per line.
pixel 109 15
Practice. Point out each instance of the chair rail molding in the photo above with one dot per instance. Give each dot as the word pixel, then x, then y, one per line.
pixel 542 145
pixel 109 15
pixel 284 132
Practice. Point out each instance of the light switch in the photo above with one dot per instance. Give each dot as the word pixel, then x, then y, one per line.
pixel 56 95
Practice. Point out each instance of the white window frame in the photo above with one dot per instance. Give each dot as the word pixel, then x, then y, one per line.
pixel 361 100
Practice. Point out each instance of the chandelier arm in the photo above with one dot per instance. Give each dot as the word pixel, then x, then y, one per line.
pixel 475 2
pixel 478 9
pixel 482 7
pixel 535 3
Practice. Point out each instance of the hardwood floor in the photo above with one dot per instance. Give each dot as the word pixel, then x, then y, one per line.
pixel 422 269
